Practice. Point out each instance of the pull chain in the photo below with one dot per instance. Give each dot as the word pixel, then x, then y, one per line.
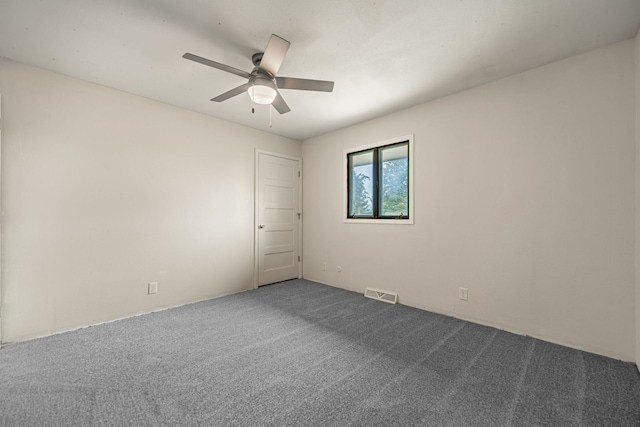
pixel 270 107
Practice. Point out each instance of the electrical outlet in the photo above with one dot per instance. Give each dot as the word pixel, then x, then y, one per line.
pixel 153 288
pixel 324 266
pixel 463 294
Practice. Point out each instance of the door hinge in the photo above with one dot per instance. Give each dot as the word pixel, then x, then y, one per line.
pixel 299 174
pixel 298 258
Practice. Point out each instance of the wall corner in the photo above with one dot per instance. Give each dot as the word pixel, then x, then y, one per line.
pixel 637 195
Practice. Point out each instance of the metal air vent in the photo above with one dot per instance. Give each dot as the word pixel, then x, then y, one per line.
pixel 390 297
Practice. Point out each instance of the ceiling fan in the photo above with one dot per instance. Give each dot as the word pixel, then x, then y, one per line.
pixel 263 82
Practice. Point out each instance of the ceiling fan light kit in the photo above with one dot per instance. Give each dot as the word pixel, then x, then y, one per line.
pixel 262 85
pixel 262 90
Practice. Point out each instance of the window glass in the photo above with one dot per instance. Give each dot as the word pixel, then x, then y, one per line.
pixel 394 180
pixel 361 181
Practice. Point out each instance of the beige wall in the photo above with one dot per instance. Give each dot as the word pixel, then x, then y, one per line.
pixel 524 194
pixel 105 191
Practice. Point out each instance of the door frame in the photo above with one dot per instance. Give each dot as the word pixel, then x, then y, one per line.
pixel 256 213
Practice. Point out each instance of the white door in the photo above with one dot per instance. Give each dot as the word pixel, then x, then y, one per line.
pixel 278 218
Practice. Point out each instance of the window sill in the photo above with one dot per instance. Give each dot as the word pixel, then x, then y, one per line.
pixel 407 221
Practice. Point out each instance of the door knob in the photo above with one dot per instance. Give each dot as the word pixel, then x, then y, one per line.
pixel 261 226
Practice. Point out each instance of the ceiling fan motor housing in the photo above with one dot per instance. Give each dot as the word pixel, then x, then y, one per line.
pixel 256 58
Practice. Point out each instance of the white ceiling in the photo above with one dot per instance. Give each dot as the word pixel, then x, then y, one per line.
pixel 383 55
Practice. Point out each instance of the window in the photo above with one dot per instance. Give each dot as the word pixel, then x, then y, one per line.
pixel 379 182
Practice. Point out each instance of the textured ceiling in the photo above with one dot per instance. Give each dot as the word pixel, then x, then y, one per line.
pixel 384 56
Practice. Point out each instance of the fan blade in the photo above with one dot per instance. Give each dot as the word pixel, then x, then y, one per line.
pixel 279 104
pixel 304 84
pixel 217 65
pixel 274 54
pixel 231 93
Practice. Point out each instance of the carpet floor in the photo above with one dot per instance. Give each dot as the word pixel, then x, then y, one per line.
pixel 300 353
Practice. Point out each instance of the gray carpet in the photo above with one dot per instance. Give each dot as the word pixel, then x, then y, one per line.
pixel 303 354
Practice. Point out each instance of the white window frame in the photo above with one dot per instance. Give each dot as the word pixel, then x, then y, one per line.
pixel 345 181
